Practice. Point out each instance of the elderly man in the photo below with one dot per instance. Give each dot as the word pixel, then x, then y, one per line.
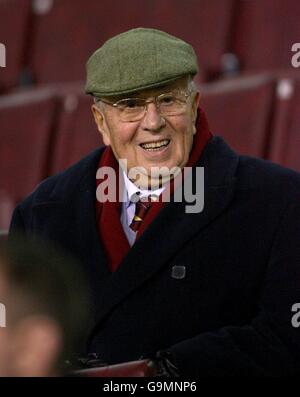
pixel 202 293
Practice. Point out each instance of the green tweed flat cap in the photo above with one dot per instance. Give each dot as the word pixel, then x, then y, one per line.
pixel 138 59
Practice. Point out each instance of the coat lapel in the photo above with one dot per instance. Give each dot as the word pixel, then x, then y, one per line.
pixel 173 228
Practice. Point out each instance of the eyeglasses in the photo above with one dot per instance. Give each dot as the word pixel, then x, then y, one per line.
pixel 168 104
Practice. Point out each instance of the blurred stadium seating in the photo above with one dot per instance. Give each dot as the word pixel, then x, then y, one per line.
pixel 264 31
pixel 26 122
pixel 285 143
pixel 65 36
pixel 76 133
pixel 240 110
pixel 14 30
pixel 249 89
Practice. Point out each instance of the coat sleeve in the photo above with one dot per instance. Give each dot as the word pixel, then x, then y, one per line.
pixel 270 344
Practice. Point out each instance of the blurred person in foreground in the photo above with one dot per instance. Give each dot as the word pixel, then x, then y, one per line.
pixel 45 303
pixel 201 293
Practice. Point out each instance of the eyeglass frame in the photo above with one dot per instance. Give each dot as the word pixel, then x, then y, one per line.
pixel 146 101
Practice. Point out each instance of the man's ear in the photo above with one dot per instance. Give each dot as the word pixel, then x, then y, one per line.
pixel 37 344
pixel 101 124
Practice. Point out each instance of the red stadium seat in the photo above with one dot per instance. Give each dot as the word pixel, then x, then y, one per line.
pixel 76 133
pixel 240 111
pixel 14 25
pixel 26 122
pixel 66 33
pixel 264 32
pixel 285 148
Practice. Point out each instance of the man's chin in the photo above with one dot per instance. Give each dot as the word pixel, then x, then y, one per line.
pixel 145 182
pixel 154 177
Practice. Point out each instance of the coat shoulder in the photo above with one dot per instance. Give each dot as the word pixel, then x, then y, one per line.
pixel 250 173
pixel 265 175
pixel 59 187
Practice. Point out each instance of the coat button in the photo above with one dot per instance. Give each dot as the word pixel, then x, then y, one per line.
pixel 178 272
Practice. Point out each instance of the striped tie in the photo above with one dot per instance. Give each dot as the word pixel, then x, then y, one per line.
pixel 141 208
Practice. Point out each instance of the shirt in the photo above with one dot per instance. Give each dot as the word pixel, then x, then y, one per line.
pixel 128 205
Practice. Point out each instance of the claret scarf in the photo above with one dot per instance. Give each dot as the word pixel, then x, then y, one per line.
pixel 108 214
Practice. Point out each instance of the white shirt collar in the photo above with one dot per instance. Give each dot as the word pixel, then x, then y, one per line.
pixel 131 189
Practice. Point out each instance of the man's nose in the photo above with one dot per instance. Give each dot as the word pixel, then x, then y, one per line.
pixel 152 120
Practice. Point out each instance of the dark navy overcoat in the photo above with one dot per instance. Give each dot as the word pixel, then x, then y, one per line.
pixel 229 308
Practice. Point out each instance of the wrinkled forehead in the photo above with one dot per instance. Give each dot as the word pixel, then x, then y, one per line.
pixel 179 84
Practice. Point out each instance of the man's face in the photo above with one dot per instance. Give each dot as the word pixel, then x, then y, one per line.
pixel 128 138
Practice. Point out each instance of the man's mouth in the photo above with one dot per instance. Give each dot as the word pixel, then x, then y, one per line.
pixel 155 146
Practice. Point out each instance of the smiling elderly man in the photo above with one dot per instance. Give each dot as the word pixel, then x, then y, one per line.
pixel 207 293
pixel 152 128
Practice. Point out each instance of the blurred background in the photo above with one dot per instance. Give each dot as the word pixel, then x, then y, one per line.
pixel 250 89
